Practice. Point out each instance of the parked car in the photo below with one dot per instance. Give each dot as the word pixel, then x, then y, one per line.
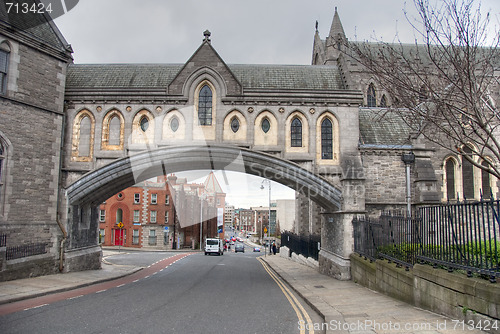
pixel 239 248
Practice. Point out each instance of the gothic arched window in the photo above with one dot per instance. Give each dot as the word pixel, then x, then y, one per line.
pixel 296 132
pixel 326 139
pixel 485 182
pixel 383 102
pixel 467 174
pixel 205 106
pixel 371 99
pixel 450 178
pixel 85 137
pixel 114 131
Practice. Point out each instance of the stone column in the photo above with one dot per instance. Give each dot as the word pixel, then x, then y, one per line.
pixel 337 240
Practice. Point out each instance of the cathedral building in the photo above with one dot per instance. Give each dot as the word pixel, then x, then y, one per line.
pixel 60 121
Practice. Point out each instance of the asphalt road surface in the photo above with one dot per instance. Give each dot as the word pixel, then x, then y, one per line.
pixel 178 293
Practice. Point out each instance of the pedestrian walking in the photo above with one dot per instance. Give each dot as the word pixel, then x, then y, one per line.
pixel 274 248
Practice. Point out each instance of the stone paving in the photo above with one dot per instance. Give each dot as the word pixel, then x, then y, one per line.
pixel 351 308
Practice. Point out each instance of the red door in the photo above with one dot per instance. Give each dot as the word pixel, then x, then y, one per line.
pixel 118 237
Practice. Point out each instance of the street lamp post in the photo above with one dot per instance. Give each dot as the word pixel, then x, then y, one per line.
pixel 269 214
pixel 408 159
pixel 201 221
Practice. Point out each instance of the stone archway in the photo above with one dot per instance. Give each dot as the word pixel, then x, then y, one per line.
pixel 98 185
pixel 85 194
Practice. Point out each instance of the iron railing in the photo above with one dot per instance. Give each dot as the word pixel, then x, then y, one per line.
pixel 3 240
pixel 17 252
pixel 307 245
pixel 462 235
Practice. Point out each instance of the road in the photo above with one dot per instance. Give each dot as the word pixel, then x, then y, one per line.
pixel 233 293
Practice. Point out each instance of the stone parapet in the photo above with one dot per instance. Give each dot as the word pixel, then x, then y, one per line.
pixel 472 300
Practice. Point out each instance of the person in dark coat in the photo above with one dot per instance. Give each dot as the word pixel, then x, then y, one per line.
pixel 274 248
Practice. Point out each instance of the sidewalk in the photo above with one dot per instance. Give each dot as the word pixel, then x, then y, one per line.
pixel 348 307
pixel 26 288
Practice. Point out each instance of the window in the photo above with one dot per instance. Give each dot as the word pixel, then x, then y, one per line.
pixel 85 137
pixel 205 106
pixel 153 217
pixel 4 66
pixel 166 217
pixel 235 124
pixel 114 131
pixel 144 123
pixel 167 199
pixel 102 215
pixel 135 237
pixel 450 179
pixel 174 124
pixel 485 182
pixel 467 174
pixel 371 99
pixel 137 216
pixel 152 237
pixel 119 216
pixel 326 139
pixel 154 198
pixel 296 132
pixel 383 102
pixel 102 234
pixel 265 125
pixel 137 198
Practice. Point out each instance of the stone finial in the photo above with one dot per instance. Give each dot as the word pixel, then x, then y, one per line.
pixel 207 35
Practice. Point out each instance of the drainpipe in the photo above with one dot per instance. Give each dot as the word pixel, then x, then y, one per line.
pixel 61 226
pixel 408 159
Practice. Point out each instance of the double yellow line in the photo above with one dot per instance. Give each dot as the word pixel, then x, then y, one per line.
pixel 305 321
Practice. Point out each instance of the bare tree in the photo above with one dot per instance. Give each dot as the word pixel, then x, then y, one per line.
pixel 444 85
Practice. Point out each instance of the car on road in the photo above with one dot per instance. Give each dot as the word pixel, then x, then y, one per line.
pixel 239 248
pixel 256 249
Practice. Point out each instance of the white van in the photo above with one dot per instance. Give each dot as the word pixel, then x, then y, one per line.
pixel 214 245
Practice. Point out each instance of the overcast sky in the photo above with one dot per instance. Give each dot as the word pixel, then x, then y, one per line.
pixel 243 32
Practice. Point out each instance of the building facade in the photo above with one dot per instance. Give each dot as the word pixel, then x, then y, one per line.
pixel 33 68
pixel 65 126
pixel 160 214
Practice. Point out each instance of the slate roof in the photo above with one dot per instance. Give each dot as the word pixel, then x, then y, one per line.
pixel 378 128
pixel 39 26
pixel 115 76
pixel 121 75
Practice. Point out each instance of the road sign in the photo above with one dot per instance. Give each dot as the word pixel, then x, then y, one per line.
pixel 120 225
pixel 265 229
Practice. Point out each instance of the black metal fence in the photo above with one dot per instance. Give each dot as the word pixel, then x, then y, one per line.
pixel 17 252
pixel 307 246
pixel 3 240
pixel 462 235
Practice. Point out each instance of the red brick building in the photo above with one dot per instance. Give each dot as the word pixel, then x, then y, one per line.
pixel 161 214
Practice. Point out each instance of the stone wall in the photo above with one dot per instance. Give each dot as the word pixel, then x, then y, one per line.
pixel 385 183
pixel 450 294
